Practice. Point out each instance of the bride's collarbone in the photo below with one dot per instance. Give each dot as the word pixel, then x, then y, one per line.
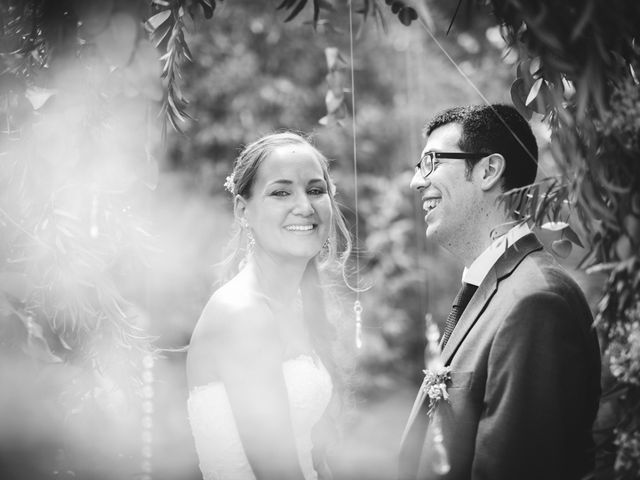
pixel 292 333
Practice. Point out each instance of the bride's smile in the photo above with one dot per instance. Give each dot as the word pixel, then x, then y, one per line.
pixel 289 211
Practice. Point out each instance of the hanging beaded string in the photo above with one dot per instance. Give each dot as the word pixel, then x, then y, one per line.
pixel 146 421
pixel 433 363
pixel 94 230
pixel 357 306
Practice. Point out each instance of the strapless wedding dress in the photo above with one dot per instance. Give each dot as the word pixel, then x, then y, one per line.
pixel 215 433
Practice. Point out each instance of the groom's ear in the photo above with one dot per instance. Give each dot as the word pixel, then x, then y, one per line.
pixel 492 171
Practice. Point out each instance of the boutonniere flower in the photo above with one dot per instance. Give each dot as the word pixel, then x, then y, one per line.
pixel 435 386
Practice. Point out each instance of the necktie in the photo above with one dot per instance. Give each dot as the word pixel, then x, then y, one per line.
pixel 459 304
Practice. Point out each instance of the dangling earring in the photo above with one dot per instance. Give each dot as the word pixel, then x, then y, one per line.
pixel 251 242
pixel 323 255
pixel 326 247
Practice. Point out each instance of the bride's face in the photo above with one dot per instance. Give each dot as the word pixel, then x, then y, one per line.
pixel 289 211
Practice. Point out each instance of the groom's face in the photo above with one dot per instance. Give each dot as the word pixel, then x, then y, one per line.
pixel 450 197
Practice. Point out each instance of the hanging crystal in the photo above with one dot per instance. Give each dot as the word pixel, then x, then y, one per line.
pixel 94 230
pixel 357 308
pixel 147 417
pixel 433 362
pixel 440 463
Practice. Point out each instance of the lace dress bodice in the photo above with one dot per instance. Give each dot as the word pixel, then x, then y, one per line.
pixel 217 441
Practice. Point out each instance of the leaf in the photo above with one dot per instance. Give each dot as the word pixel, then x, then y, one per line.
pixel 533 93
pixel 208 7
pixel 623 247
pixel 523 67
pixel 296 10
pixel 158 19
pixel 562 248
pixel 316 12
pixel 38 96
pixel 583 21
pixel 185 49
pixel 554 226
pixel 533 204
pixel 517 98
pixel 333 102
pixel 534 66
pixel 572 236
pixel 286 4
pixel 37 346
pixel 407 15
pixel 453 17
pixel 161 34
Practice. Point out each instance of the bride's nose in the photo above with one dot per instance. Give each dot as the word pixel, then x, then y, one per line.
pixel 302 205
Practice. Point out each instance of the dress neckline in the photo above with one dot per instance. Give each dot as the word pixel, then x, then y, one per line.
pixel 308 356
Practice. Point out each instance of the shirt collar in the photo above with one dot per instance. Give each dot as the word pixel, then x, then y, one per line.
pixel 485 261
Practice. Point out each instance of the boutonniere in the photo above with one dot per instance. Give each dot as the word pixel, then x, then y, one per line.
pixel 435 386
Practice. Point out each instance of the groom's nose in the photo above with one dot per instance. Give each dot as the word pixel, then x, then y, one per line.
pixel 418 182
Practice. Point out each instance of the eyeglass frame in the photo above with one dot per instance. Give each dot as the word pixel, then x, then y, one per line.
pixel 431 156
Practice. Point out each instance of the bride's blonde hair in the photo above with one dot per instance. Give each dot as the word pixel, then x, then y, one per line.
pixel 337 249
pixel 331 259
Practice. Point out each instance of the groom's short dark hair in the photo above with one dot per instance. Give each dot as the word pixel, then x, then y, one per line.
pixel 495 129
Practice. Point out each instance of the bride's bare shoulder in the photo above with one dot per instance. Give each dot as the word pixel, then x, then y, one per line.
pixel 235 307
pixel 234 328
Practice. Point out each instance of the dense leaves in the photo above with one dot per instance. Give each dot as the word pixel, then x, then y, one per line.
pixel 583 79
pixel 81 86
pixel 79 81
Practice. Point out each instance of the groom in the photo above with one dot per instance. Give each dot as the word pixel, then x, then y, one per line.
pixel 524 359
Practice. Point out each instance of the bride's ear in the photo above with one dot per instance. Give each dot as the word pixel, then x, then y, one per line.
pixel 240 208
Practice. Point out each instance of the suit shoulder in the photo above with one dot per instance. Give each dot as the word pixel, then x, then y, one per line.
pixel 540 283
pixel 542 273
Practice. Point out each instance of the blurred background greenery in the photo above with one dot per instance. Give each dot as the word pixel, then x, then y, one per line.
pixel 164 220
pixel 255 74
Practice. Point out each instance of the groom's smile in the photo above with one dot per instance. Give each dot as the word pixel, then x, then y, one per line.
pixel 429 203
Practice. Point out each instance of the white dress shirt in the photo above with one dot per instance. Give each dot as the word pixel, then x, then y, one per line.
pixel 481 265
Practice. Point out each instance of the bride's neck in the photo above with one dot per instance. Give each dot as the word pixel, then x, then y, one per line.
pixel 280 281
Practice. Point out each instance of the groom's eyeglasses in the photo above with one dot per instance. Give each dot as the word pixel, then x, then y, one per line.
pixel 426 163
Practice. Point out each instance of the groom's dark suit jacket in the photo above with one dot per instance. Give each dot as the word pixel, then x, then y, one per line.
pixel 525 379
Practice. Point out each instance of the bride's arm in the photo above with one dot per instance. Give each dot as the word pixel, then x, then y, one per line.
pixel 242 344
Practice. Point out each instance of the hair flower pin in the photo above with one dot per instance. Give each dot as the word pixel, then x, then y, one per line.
pixel 229 184
pixel 435 386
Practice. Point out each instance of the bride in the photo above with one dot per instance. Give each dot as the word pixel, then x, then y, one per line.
pixel 260 367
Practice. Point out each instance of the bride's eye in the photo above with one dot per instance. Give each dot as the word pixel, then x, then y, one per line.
pixel 279 193
pixel 317 191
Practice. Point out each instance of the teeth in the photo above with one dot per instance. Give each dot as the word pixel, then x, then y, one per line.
pixel 299 228
pixel 430 204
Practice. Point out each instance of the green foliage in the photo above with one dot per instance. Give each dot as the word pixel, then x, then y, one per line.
pixel 80 89
pixel 79 83
pixel 583 80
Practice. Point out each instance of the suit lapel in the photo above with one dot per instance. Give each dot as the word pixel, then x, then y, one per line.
pixel 503 267
pixel 417 405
